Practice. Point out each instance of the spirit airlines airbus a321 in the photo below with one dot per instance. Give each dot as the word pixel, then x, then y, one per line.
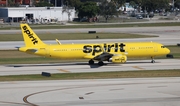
pixel 112 52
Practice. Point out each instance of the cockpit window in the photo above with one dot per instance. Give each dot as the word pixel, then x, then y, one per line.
pixel 162 47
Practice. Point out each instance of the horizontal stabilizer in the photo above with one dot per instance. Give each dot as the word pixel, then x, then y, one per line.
pixel 31 50
pixel 17 47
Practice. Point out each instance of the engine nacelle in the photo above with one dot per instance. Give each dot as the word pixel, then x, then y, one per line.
pixel 118 59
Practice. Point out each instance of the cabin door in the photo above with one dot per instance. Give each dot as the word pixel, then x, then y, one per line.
pixel 45 51
pixel 155 48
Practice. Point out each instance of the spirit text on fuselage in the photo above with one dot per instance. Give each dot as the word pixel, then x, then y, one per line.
pixel 97 48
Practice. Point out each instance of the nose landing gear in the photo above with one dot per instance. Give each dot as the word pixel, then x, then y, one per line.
pixel 152 61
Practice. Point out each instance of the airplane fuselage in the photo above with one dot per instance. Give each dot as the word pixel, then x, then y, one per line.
pixel 70 51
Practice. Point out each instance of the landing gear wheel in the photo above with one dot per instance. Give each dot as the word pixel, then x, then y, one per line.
pixel 100 63
pixel 91 62
pixel 153 61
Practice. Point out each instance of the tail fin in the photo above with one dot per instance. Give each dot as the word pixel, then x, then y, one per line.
pixel 30 38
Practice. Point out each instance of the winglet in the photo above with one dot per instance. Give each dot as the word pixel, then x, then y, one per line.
pixel 58 42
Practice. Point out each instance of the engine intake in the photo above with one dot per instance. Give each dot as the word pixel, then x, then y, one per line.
pixel 118 59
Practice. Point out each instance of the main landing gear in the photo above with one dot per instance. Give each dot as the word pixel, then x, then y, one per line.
pixel 152 61
pixel 91 62
pixel 100 63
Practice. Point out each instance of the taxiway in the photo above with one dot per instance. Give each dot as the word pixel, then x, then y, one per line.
pixel 24 69
pixel 94 92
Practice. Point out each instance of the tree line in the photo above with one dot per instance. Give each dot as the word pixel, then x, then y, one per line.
pixel 91 8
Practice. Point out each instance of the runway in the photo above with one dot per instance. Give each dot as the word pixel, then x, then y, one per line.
pixel 93 92
pixel 167 35
pixel 24 69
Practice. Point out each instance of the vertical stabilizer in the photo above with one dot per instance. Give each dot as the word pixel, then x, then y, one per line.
pixel 30 38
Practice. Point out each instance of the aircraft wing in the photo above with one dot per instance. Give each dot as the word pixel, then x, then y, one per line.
pixel 103 56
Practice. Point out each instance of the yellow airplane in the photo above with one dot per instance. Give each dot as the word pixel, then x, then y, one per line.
pixel 112 52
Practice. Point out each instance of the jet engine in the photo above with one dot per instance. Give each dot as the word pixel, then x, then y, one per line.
pixel 118 59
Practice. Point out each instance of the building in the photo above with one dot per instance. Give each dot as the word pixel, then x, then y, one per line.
pixel 127 7
pixel 56 3
pixel 37 14
pixel 23 2
pixel 3 2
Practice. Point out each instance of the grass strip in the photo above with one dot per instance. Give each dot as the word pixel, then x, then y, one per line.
pixel 90 25
pixel 110 25
pixel 95 75
pixel 73 36
pixel 37 60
